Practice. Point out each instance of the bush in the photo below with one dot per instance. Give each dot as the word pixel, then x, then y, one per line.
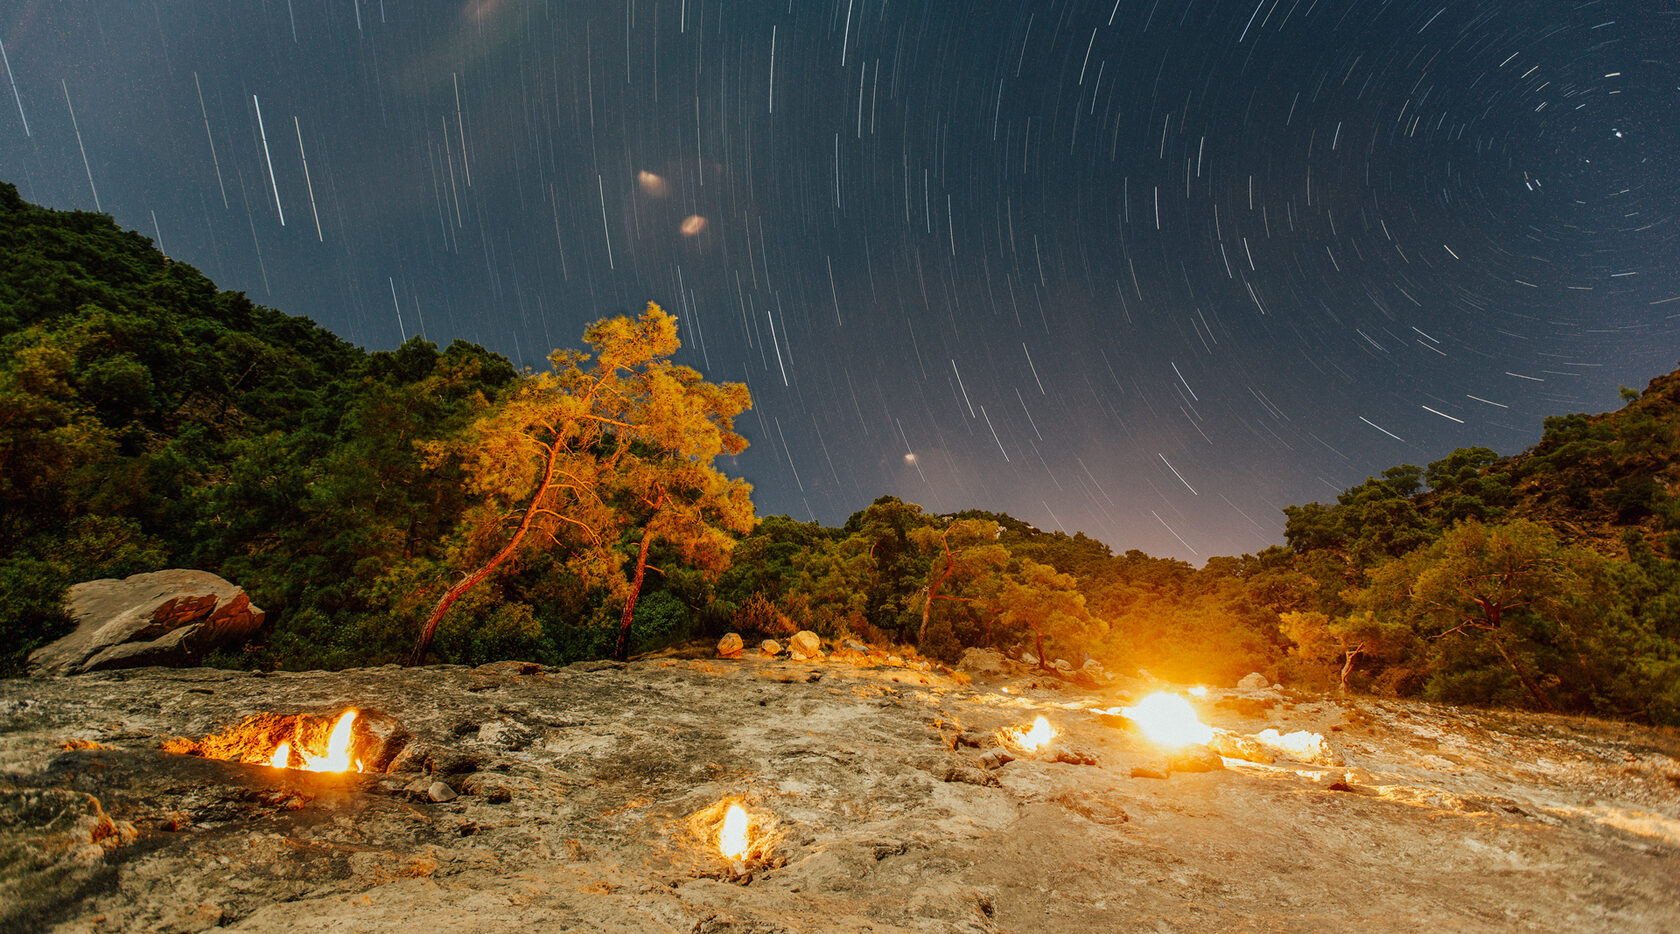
pixel 31 610
pixel 660 620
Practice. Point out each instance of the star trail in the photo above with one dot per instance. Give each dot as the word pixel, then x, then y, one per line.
pixel 1149 270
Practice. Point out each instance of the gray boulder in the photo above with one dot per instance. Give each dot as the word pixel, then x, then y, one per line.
pixel 170 618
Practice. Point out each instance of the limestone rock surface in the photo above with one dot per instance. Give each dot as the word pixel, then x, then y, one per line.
pixel 586 798
pixel 171 617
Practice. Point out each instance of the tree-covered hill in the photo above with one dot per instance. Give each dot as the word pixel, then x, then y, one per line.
pixel 150 420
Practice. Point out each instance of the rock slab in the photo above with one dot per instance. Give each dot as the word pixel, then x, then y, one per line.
pixel 170 618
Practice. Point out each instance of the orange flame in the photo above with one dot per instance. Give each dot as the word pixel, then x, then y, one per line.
pixel 1040 735
pixel 732 840
pixel 282 756
pixel 337 757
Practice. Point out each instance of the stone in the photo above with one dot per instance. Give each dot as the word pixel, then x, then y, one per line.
pixel 1195 758
pixel 894 661
pixel 171 618
pixel 1062 664
pixel 440 792
pixel 983 663
pixel 1254 681
pixel 996 758
pixel 1028 658
pixel 1148 771
pixel 1070 754
pixel 770 647
pixel 856 646
pixel 805 644
pixel 730 645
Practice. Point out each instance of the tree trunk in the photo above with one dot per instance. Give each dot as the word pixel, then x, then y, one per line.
pixel 1347 665
pixel 932 590
pixel 621 650
pixel 1042 661
pixel 455 592
pixel 1533 689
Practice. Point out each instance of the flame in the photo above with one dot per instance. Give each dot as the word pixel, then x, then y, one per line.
pixel 1168 720
pixel 337 757
pixel 732 840
pixel 1040 734
pixel 1300 743
pixel 1198 691
pixel 282 756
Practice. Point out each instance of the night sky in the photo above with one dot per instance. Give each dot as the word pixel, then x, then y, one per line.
pixel 1149 269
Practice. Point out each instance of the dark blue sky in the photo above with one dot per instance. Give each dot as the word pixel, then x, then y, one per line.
pixel 1150 270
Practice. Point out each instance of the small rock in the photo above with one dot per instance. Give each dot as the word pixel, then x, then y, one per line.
pixel 996 758
pixel 1195 758
pixel 1062 664
pixel 1148 771
pixel 1254 681
pixel 895 661
pixel 1072 755
pixel 805 644
pixel 440 792
pixel 770 647
pixel 730 645
pixel 856 646
pixel 1028 658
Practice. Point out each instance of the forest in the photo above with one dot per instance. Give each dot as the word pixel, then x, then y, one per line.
pixel 438 505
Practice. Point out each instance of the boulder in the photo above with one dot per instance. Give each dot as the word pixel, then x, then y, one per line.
pixel 805 644
pixel 770 647
pixel 1254 681
pixel 730 645
pixel 1195 758
pixel 983 663
pixel 171 618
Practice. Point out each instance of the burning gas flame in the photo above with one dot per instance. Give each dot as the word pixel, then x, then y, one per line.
pixel 732 840
pixel 337 758
pixel 1198 691
pixel 1040 734
pixel 1168 720
pixel 1301 743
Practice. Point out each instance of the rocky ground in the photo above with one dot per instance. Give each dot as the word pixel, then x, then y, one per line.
pixel 587 799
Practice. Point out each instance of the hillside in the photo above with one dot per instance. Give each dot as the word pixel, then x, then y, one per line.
pixel 153 420
pixel 1595 477
pixel 590 797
